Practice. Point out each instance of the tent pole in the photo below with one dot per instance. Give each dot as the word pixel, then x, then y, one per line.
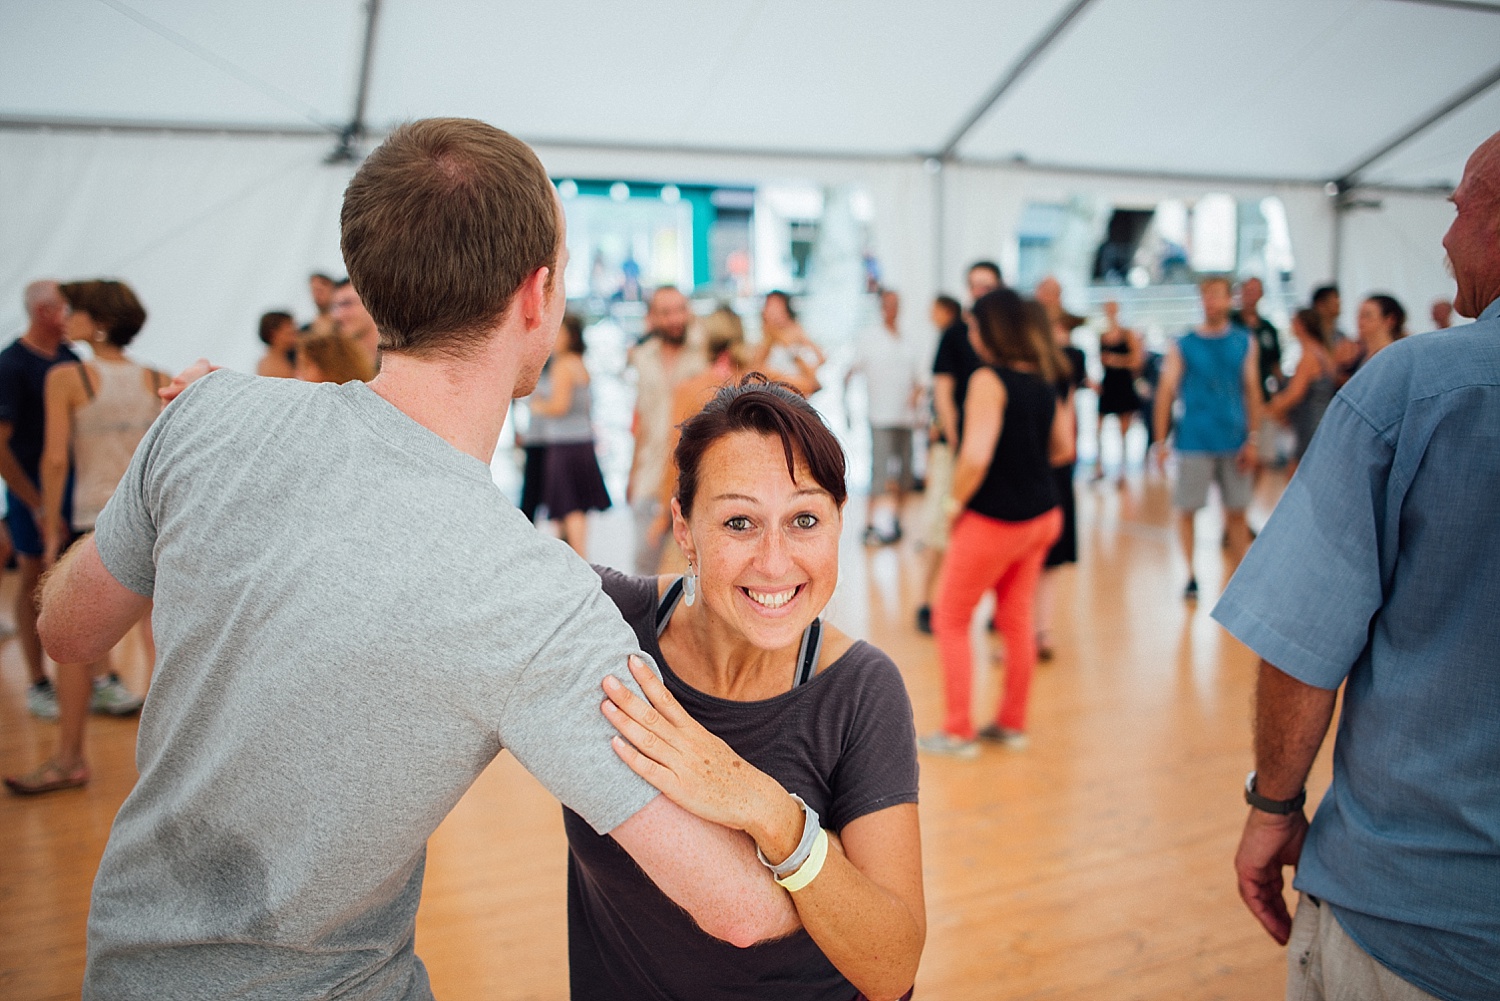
pixel 1012 75
pixel 939 222
pixel 1350 177
pixel 347 149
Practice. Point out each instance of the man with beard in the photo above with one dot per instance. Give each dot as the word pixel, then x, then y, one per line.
pixel 663 361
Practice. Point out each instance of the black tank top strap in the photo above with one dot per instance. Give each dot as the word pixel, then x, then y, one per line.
pixel 88 387
pixel 668 605
pixel 807 654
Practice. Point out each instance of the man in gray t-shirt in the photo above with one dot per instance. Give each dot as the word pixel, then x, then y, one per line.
pixel 352 622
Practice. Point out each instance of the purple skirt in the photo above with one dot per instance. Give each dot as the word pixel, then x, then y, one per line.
pixel 572 481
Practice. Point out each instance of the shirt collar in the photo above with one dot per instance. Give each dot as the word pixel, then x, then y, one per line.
pixel 1491 312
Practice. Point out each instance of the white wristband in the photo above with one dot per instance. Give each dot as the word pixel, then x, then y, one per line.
pixel 793 862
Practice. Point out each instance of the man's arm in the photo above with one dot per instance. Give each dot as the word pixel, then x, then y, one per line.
pixel 947 410
pixel 14 476
pixel 709 871
pixel 1166 395
pixel 1250 377
pixel 84 610
pixel 1291 720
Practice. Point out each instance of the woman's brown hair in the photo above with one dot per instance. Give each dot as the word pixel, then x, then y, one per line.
pixel 1006 332
pixel 767 408
pixel 337 357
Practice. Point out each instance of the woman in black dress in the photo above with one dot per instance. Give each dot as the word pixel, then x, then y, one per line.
pixel 1121 354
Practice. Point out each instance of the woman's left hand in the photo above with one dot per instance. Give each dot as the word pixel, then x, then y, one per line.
pixel 693 768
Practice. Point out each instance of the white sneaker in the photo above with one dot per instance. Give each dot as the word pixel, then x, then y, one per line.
pixel 948 745
pixel 112 698
pixel 41 700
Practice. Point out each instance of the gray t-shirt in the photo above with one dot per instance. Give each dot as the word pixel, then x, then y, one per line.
pixel 351 622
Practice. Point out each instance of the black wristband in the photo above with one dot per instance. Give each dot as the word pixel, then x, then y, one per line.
pixel 1281 807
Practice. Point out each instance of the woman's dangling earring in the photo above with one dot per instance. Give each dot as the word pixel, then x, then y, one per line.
pixel 690 586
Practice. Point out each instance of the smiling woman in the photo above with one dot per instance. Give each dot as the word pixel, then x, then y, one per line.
pixel 765 721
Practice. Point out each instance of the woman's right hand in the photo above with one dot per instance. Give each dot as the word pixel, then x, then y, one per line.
pixel 186 378
pixel 694 768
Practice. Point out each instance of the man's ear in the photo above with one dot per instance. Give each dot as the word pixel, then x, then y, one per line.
pixel 532 297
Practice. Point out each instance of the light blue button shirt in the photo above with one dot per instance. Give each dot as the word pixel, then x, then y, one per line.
pixel 1381 565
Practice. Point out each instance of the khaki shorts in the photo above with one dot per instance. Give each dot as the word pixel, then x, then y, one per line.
pixel 890 459
pixel 939 485
pixel 1196 470
pixel 1324 964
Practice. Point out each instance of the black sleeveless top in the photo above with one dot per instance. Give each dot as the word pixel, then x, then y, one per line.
pixel 1019 484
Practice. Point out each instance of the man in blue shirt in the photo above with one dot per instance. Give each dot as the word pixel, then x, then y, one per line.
pixel 1380 570
pixel 1217 374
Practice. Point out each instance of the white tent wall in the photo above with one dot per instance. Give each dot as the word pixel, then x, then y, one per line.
pixel 1397 249
pixel 982 207
pixel 211 231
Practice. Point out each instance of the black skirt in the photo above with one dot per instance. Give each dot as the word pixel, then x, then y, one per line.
pixel 1117 395
pixel 572 481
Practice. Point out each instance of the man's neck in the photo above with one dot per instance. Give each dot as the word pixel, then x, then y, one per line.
pixel 1211 328
pixel 1250 317
pixel 464 402
pixel 42 341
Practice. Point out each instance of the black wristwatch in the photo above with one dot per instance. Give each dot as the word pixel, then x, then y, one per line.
pixel 1278 806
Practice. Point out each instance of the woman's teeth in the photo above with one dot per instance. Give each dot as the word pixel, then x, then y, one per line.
pixel 771 599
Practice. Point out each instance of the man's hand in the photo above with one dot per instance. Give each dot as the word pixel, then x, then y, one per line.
pixel 1248 457
pixel 1269 843
pixel 1161 451
pixel 186 378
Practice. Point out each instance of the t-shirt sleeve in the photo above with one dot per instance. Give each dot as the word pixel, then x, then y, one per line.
pixel 878 766
pixel 125 531
pixel 10 397
pixel 552 722
pixel 1306 592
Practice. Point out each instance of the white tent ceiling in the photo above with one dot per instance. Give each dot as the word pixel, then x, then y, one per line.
pixel 1269 89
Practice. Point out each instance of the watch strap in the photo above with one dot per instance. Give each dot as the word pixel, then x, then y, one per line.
pixel 1281 807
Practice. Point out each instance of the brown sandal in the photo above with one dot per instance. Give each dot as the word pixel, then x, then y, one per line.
pixel 47 777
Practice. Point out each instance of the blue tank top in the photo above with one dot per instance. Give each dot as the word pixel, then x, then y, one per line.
pixel 1212 391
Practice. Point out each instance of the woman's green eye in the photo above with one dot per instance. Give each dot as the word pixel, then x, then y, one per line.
pixel 738 523
pixel 805 521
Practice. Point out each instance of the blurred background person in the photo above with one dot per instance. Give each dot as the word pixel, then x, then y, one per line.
pixel 1268 354
pixel 1004 500
pixel 278 332
pixel 23 377
pixel 355 322
pixel 1442 314
pixel 321 287
pixel 332 357
pixel 1122 356
pixel 572 484
pixel 785 347
pixel 1380 322
pixel 893 380
pixel 663 361
pixel 948 319
pixel 1068 363
pixel 97 413
pixel 1314 382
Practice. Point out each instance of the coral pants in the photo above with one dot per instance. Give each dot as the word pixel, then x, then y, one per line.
pixel 984 553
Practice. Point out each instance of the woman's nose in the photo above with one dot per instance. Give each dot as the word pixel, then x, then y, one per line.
pixel 774 557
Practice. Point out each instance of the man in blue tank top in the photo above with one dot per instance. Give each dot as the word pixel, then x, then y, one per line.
pixel 1217 375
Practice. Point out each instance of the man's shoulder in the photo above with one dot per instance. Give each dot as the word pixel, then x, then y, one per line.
pixel 1426 367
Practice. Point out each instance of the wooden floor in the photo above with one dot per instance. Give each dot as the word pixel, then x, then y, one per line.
pixel 1094 865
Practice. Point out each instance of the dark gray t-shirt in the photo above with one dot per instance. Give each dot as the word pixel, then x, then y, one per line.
pixel 844 742
pixel 351 622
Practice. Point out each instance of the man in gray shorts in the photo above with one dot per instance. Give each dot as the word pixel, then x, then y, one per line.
pixel 1217 374
pixel 351 622
pixel 894 386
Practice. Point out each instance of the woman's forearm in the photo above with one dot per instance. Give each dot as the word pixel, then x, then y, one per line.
pixel 967 476
pixel 866 931
pixel 54 474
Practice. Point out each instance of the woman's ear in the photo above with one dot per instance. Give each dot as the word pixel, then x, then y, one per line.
pixel 682 534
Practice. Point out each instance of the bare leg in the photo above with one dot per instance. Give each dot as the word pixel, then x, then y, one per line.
pixel 1046 606
pixel 25 611
pixel 1125 421
pixel 575 531
pixel 1239 532
pixel 74 690
pixel 1185 530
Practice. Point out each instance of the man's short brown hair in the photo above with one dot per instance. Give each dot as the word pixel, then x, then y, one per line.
pixel 441 226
